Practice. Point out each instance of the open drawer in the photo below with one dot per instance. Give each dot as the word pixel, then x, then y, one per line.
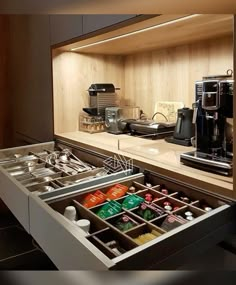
pixel 48 169
pixel 142 234
pixel 12 192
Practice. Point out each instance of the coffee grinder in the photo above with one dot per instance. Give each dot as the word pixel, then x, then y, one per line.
pixel 212 108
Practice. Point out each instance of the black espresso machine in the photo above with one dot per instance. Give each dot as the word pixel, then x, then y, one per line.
pixel 213 133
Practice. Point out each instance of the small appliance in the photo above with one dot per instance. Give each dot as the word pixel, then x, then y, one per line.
pixel 116 118
pixel 150 128
pixel 101 95
pixel 212 109
pixel 184 129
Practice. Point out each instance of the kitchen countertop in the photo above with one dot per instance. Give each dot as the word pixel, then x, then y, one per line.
pixel 157 155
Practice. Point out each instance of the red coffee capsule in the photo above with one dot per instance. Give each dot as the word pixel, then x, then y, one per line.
pixel 176 208
pixel 166 203
pixel 148 197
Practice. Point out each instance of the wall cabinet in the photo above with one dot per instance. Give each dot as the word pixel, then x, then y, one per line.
pixel 92 23
pixel 65 27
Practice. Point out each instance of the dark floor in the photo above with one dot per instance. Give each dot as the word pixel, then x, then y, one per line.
pixel 18 250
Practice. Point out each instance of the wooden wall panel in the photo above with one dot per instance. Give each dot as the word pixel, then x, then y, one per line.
pixel 72 75
pixel 31 78
pixel 145 78
pixel 5 116
pixel 169 74
pixel 234 119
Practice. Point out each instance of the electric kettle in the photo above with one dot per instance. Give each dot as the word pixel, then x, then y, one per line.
pixel 184 128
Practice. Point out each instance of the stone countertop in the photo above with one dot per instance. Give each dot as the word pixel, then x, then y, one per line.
pixel 158 154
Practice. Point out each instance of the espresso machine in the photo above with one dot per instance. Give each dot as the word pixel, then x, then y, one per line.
pixel 101 95
pixel 213 134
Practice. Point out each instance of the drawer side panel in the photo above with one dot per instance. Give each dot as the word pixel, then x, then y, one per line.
pixel 63 243
pixel 15 197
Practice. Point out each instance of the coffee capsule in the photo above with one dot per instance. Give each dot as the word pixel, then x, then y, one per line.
pixel 189 218
pixel 185 199
pixel 165 191
pixel 168 207
pixel 188 213
pixel 70 213
pixel 132 189
pixel 84 224
pixel 176 208
pixel 207 209
pixel 148 197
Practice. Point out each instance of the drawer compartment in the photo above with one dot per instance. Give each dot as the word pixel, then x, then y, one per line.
pixel 12 191
pixel 70 235
pixel 47 169
pixel 109 244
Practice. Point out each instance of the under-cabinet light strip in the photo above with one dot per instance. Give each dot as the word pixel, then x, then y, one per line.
pixel 136 32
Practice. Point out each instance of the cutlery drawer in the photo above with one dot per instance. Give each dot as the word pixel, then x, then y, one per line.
pixel 42 169
pixel 12 192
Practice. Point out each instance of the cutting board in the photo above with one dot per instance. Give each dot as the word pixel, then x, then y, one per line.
pixel 168 109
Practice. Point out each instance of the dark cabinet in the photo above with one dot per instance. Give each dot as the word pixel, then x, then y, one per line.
pixel 65 27
pixel 95 22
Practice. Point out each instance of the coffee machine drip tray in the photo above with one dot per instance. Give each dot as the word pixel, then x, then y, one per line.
pixel 208 162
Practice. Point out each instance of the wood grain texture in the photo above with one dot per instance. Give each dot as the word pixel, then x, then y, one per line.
pixel 5 116
pixel 31 77
pixel 72 75
pixel 162 34
pixel 145 78
pixel 166 74
pixel 170 74
pixel 134 24
pixel 234 106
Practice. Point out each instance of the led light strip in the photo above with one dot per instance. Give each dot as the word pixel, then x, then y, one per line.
pixel 136 32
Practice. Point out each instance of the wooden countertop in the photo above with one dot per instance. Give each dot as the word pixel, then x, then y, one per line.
pixel 158 155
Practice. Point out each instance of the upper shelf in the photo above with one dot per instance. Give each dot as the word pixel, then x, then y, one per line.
pixel 156 33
